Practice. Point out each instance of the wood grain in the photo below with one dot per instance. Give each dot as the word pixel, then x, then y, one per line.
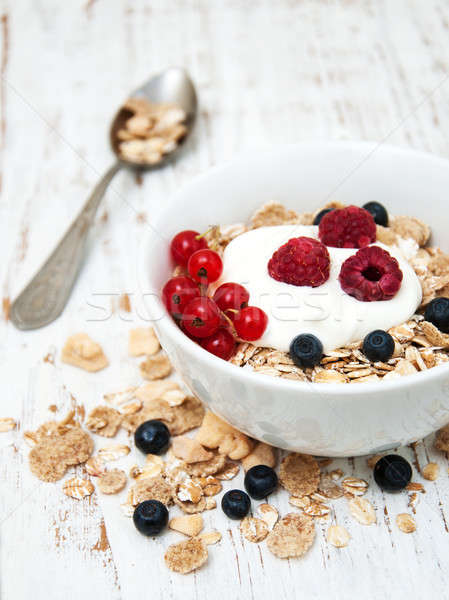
pixel 267 72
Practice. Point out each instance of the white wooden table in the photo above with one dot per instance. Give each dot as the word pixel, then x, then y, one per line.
pixel 267 72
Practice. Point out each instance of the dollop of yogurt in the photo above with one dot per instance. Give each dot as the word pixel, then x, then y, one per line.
pixel 327 312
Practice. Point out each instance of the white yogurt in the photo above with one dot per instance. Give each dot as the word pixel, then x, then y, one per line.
pixel 325 311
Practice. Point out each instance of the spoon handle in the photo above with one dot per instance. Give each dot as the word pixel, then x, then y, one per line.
pixel 46 295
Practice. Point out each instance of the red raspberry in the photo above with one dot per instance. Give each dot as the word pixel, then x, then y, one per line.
pixel 371 274
pixel 350 227
pixel 301 261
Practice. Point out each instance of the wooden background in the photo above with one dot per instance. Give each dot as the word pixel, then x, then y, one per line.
pixel 267 72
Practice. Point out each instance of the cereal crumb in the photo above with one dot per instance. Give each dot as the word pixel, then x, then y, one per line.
pixel 299 474
pixel 338 536
pixel 190 525
pixel 186 556
pixel 431 471
pixel 406 523
pixel 253 529
pixel 156 367
pixel 154 488
pixel 104 421
pixel 80 351
pixel 292 536
pixel 77 488
pixel 112 481
pixel 142 341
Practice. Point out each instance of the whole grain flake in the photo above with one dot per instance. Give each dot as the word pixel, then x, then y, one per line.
pixel 77 488
pixel 299 474
pixel 406 523
pixel 362 510
pixel 338 536
pixel 253 529
pixel 186 556
pixel 292 536
pixel 112 481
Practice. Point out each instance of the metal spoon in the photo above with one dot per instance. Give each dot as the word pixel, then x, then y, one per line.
pixel 45 297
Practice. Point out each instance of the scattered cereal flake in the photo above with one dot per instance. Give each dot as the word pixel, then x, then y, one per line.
pixel 336 474
pixel 442 439
pixel 215 433
pixel 154 488
pixel 431 471
pixel 362 510
pixel 329 488
pixel 80 351
pixel 292 536
pixel 354 486
pixel 154 465
pixel 95 466
pixel 77 488
pixel 210 485
pixel 434 335
pixel 190 507
pixel 174 397
pixel 131 407
pixel 142 341
pixel 189 491
pixel 329 376
pixel 156 367
pixel 7 424
pixel 112 481
pixel 413 501
pixel 338 536
pixel 186 556
pixel 190 525
pixel 58 446
pixel 253 529
pixel 415 487
pixel 273 213
pixel 113 452
pixel 261 454
pixel 207 467
pixel 269 514
pixel 406 523
pixel 300 501
pixel 186 416
pixel 154 390
pixel 104 420
pixel 122 397
pixel 211 503
pixel 210 537
pixel 228 472
pixel 317 510
pixel 299 474
pixel 189 450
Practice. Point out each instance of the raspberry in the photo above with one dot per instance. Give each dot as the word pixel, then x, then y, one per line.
pixel 371 274
pixel 301 261
pixel 350 227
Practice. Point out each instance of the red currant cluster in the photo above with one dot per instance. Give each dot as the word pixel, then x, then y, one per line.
pixel 215 322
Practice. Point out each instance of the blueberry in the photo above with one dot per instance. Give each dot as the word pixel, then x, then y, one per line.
pixel 306 350
pixel 150 517
pixel 437 312
pixel 378 211
pixel 378 345
pixel 392 473
pixel 152 437
pixel 260 481
pixel 235 504
pixel 320 215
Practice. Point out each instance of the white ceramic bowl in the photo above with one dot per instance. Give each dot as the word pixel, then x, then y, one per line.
pixel 320 419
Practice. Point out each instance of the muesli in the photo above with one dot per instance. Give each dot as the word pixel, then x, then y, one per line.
pixel 342 295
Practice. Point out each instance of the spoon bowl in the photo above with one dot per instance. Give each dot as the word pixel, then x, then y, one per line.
pixel 172 86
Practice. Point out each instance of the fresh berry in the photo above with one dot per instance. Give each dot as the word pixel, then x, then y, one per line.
pixel 301 261
pixel 205 266
pixel 320 215
pixel 437 312
pixel 306 350
pixel 150 517
pixel 378 211
pixel 177 293
pixel 371 274
pixel 260 481
pixel 350 227
pixel 235 504
pixel 152 437
pixel 231 296
pixel 201 317
pixel 250 323
pixel 378 346
pixel 392 473
pixel 184 244
pixel 221 343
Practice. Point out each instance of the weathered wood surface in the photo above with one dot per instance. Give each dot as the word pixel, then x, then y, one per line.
pixel 267 72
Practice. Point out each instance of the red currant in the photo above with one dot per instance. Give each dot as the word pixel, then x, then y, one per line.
pixel 221 343
pixel 231 296
pixel 177 293
pixel 201 317
pixel 184 244
pixel 250 323
pixel 205 266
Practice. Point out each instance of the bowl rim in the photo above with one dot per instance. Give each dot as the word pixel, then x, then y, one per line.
pixel 154 304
